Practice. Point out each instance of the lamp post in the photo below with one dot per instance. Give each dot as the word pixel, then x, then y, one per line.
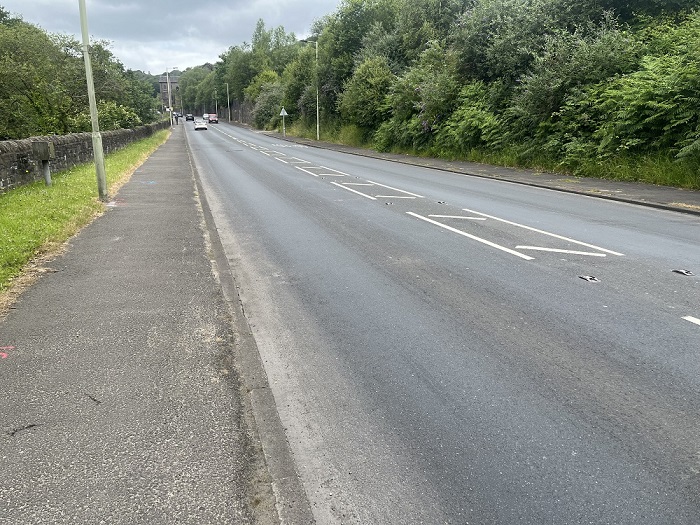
pixel 228 104
pixel 97 150
pixel 318 125
pixel 216 103
pixel 170 95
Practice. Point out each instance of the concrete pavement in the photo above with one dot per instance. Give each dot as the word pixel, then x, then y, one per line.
pixel 121 396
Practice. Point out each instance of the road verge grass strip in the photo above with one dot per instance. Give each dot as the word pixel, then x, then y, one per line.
pixel 36 220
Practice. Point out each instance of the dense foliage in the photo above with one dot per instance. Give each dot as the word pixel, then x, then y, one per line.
pixel 560 84
pixel 43 88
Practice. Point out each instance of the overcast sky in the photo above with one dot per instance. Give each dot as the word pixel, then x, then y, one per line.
pixel 152 35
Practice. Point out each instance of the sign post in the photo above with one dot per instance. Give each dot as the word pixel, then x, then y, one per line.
pixel 283 114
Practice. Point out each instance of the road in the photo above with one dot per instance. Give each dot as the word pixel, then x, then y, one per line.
pixel 450 349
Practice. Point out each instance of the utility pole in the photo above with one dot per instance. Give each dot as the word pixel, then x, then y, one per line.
pixel 97 150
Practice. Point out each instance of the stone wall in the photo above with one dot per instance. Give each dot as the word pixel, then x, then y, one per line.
pixel 18 165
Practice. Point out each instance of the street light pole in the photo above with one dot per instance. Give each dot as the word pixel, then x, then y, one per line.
pixel 228 103
pixel 97 150
pixel 170 101
pixel 318 120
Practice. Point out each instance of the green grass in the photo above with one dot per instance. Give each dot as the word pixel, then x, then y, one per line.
pixel 36 219
pixel 660 169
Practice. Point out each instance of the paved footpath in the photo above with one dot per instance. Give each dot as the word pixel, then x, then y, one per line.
pixel 119 399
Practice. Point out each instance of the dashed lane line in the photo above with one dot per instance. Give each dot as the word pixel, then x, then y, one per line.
pixel 692 319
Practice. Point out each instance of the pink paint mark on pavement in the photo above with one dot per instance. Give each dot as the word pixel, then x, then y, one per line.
pixel 3 355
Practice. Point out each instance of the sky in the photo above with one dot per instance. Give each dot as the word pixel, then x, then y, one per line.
pixel 155 35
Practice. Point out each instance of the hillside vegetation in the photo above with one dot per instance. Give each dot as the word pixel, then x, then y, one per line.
pixel 594 87
pixel 43 89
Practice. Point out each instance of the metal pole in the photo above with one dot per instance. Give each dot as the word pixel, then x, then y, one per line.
pixel 170 100
pixel 98 151
pixel 318 122
pixel 228 103
pixel 318 118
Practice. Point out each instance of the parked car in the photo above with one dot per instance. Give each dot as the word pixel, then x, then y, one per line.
pixel 199 124
pixel 213 118
pixel 189 116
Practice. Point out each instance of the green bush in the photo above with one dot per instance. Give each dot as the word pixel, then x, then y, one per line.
pixel 266 113
pixel 362 101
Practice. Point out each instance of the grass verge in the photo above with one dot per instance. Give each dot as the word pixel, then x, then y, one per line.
pixel 36 220
pixel 654 168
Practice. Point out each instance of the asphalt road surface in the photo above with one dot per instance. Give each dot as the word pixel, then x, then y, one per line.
pixel 449 349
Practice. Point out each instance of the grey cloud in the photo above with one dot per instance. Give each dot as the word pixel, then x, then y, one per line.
pixel 155 34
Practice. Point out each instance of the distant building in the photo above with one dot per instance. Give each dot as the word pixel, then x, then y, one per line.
pixel 174 91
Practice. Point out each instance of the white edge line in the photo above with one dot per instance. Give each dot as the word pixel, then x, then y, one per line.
pixel 545 233
pixel 692 319
pixel 557 250
pixel 473 237
pixel 306 171
pixel 354 191
pixel 396 189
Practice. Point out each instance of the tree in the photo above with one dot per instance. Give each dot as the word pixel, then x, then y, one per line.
pixel 362 102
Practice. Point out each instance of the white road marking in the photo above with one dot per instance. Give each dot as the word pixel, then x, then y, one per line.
pixel 557 250
pixel 458 217
pixel 692 319
pixel 357 184
pixel 396 189
pixel 545 232
pixel 394 197
pixel 334 171
pixel 306 171
pixel 277 158
pixel 473 237
pixel 354 191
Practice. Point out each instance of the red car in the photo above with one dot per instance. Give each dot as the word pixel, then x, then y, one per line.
pixel 213 118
